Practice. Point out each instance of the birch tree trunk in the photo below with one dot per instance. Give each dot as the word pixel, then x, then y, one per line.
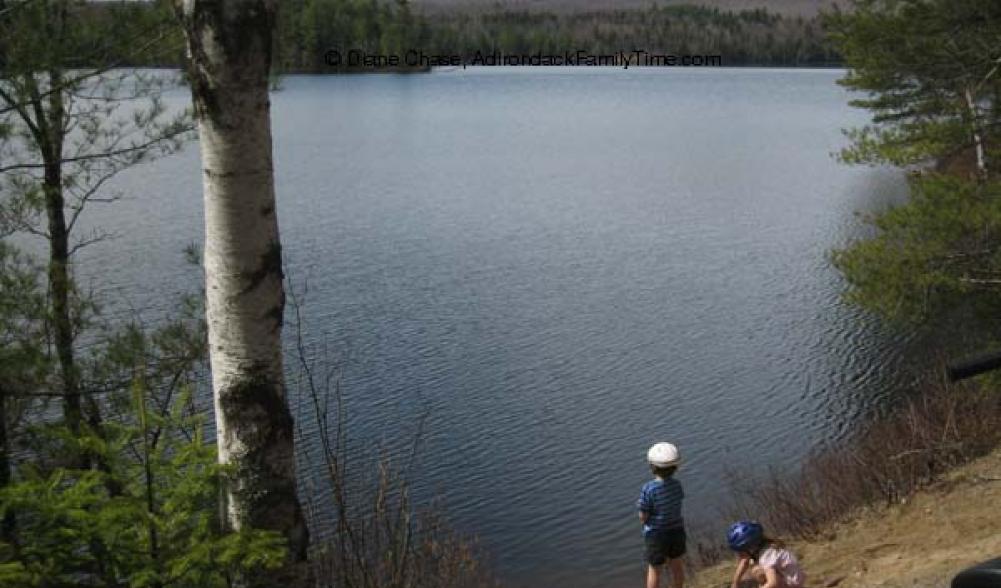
pixel 977 132
pixel 229 45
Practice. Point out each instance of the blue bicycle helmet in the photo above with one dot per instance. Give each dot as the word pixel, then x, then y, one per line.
pixel 744 535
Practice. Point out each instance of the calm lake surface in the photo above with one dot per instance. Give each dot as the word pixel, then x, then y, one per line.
pixel 556 267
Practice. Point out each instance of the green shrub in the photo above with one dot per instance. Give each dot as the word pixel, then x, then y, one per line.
pixel 149 516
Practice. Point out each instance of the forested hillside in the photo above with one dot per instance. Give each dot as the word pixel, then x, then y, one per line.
pixel 793 8
pixel 747 37
pixel 788 35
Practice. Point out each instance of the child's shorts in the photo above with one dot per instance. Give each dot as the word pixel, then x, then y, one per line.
pixel 664 545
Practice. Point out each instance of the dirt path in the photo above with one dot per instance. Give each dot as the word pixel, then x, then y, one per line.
pixel 920 543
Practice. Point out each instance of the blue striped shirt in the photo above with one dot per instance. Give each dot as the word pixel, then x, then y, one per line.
pixel 661 500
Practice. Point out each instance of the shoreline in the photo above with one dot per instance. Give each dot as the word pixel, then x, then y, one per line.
pixel 920 541
pixel 412 71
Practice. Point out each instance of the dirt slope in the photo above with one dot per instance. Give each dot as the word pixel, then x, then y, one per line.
pixel 920 543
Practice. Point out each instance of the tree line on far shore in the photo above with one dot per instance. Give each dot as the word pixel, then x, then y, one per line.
pixel 308 28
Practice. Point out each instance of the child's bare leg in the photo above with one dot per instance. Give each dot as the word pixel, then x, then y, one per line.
pixel 652 576
pixel 677 572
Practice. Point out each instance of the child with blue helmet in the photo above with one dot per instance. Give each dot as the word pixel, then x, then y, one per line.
pixel 659 508
pixel 769 563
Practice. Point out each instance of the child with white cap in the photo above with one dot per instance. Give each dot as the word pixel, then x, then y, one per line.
pixel 659 508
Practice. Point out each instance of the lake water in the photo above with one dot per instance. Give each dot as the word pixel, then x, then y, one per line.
pixel 557 267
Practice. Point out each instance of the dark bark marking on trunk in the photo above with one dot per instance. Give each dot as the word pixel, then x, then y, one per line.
pixel 276 314
pixel 244 36
pixel 263 491
pixel 270 264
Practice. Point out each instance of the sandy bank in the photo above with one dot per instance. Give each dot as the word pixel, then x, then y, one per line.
pixel 921 542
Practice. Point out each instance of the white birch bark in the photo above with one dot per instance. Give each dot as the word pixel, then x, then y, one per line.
pixel 229 43
pixel 978 141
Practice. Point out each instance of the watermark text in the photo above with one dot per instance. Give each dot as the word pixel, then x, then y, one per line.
pixel 416 58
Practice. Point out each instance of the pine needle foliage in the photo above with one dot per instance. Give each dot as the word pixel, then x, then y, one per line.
pixel 939 250
pixel 150 518
pixel 929 71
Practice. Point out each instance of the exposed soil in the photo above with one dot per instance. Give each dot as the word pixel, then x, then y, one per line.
pixel 919 543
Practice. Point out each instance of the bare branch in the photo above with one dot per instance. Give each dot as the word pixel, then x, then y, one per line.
pixel 97 237
pixel 15 106
pixel 106 154
pixel 90 196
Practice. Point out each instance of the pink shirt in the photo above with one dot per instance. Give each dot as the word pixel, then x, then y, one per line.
pixel 784 564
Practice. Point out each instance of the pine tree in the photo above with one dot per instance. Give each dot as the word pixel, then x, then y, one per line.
pixel 930 72
pixel 930 69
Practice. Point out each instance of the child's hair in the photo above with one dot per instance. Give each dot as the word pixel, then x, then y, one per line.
pixel 663 472
pixel 766 542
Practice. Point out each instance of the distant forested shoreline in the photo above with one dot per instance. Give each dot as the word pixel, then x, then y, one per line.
pixel 309 29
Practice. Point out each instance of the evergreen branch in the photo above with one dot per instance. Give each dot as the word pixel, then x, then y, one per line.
pixel 17 6
pixel 75 81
